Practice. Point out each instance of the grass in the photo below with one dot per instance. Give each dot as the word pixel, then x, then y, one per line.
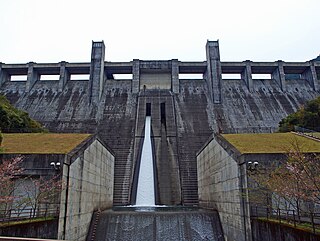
pixel 41 143
pixel 271 143
pixel 301 226
pixel 25 221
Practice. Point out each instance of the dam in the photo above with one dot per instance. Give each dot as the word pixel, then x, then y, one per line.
pixel 97 97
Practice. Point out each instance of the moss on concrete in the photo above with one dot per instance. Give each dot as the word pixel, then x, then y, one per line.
pixel 271 143
pixel 41 143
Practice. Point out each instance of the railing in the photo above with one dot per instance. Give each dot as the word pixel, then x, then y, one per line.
pixel 308 220
pixel 9 215
pixel 307 132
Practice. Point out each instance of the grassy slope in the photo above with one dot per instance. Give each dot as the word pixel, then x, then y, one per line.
pixel 270 143
pixel 41 143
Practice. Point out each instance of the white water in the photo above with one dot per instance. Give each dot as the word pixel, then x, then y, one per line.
pixel 145 190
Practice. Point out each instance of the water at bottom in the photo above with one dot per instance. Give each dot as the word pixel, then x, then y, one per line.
pixel 158 223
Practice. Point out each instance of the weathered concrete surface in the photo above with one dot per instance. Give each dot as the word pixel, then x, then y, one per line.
pixel 219 183
pixel 194 127
pixel 268 231
pixel 260 110
pixel 43 229
pixel 89 186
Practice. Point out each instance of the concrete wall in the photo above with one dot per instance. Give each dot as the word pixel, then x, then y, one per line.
pixel 155 80
pixel 259 110
pixel 269 231
pixel 194 127
pixel 43 229
pixel 89 180
pixel 219 188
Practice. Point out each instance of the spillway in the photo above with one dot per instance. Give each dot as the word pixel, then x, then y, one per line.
pixel 145 189
pixel 162 224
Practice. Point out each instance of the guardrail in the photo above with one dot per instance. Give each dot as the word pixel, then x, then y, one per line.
pixel 307 132
pixel 2 238
pixel 27 213
pixel 294 217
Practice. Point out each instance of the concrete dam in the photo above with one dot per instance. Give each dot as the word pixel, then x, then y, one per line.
pixel 92 97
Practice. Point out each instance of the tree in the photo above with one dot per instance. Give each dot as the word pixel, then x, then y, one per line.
pixel 14 120
pixel 307 116
pixel 18 191
pixel 43 191
pixel 294 181
pixel 9 170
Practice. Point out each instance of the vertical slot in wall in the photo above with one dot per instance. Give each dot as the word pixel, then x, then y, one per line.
pixel 148 109
pixel 163 113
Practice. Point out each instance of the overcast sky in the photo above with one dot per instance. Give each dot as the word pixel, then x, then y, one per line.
pixel 62 30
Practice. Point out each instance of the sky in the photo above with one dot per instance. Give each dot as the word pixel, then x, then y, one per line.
pixel 46 31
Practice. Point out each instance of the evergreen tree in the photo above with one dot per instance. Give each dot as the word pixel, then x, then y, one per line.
pixel 14 120
pixel 307 117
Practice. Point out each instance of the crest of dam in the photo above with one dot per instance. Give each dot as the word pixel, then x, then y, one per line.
pixel 135 224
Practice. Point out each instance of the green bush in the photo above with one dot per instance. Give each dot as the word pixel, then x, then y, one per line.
pixel 14 120
pixel 306 117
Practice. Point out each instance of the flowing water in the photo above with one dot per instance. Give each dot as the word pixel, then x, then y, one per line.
pixel 169 224
pixel 145 189
pixel 146 221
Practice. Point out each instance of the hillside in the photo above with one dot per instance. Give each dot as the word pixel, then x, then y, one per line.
pixel 307 117
pixel 13 120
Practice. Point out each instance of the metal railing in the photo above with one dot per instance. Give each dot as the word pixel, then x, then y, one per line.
pixel 310 220
pixel 307 132
pixel 9 215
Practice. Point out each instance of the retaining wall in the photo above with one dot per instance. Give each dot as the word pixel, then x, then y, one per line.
pixel 219 184
pixel 43 229
pixel 268 231
pixel 89 181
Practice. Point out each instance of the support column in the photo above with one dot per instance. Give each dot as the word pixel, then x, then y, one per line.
pixel 246 75
pixel 32 77
pixel 96 81
pixel 214 71
pixel 279 75
pixel 175 76
pixel 64 75
pixel 2 75
pixel 136 76
pixel 311 76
